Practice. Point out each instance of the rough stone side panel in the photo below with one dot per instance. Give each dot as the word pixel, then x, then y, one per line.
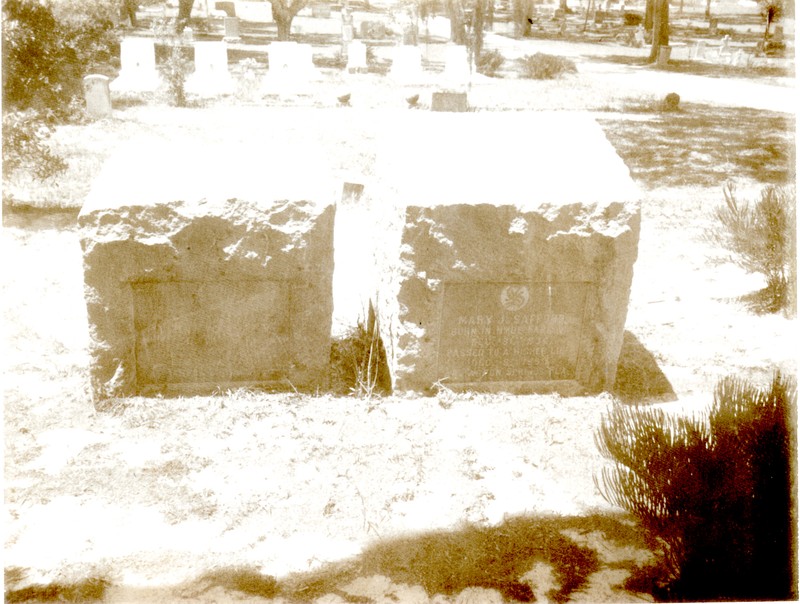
pixel 230 242
pixel 592 243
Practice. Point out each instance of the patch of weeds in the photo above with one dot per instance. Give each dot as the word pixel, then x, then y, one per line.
pixel 358 361
pixel 88 590
pixel 490 62
pixel 701 145
pixel 541 66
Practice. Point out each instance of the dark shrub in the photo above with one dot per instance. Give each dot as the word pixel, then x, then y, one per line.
pixel 545 67
pixel 716 496
pixel 45 55
pixel 25 135
pixel 490 62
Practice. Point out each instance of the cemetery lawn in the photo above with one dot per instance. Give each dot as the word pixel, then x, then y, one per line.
pixel 254 497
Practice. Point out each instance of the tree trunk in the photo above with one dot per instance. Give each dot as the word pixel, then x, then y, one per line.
pixel 660 28
pixel 708 9
pixel 284 27
pixel 458 30
pixel 648 15
pixel 562 4
pixel 522 23
pixel 184 14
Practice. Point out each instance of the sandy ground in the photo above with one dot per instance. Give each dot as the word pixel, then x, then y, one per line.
pixel 165 489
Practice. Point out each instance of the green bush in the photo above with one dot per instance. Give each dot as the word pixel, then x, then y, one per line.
pixel 490 62
pixel 715 496
pixel 175 70
pixel 762 238
pixel 47 51
pixel 545 67
pixel 25 135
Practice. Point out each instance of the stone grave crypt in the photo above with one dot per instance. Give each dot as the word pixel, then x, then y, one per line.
pixel 510 263
pixel 208 270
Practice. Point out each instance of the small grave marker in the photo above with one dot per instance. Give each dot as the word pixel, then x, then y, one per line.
pixel 97 95
pixel 449 101
pixel 232 30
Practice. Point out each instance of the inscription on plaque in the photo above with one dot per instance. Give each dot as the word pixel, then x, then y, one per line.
pixel 511 332
pixel 194 332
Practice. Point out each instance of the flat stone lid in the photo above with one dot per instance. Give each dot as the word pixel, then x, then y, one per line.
pixel 150 170
pixel 527 159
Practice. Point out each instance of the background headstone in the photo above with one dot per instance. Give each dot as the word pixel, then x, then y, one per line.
pixel 211 76
pixel 357 57
pixel 456 67
pixel 291 68
pixel 232 30
pixel 213 271
pixel 505 271
pixel 406 65
pixel 138 66
pixel 97 95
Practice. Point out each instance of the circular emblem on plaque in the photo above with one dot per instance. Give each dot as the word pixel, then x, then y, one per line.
pixel 514 297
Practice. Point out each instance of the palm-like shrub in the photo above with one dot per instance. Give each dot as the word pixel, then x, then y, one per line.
pixel 714 495
pixel 762 238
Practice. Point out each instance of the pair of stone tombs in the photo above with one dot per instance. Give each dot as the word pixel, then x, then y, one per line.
pixel 504 266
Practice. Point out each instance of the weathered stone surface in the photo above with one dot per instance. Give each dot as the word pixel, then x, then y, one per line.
pixel 97 95
pixel 449 101
pixel 511 267
pixel 207 272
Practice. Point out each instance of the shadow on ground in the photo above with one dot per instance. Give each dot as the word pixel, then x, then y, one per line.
pixel 639 378
pixel 524 559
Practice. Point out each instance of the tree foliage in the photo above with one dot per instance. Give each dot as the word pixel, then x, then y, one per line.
pixel 48 48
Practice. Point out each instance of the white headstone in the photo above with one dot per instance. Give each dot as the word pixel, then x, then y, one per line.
pixel 211 76
pixel 97 95
pixel 138 72
pixel 356 57
pixel 406 65
pixel 438 27
pixel 256 12
pixel 456 67
pixel 291 68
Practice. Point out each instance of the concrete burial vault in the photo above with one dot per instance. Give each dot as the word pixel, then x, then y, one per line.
pixel 208 270
pixel 512 257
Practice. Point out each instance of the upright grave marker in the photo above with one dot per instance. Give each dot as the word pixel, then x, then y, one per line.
pixel 357 57
pixel 97 95
pixel 291 68
pixel 406 65
pixel 138 66
pixel 510 270
pixel 211 76
pixel 211 272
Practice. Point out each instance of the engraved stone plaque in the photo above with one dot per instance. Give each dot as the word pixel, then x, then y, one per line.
pixel 226 332
pixel 511 332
